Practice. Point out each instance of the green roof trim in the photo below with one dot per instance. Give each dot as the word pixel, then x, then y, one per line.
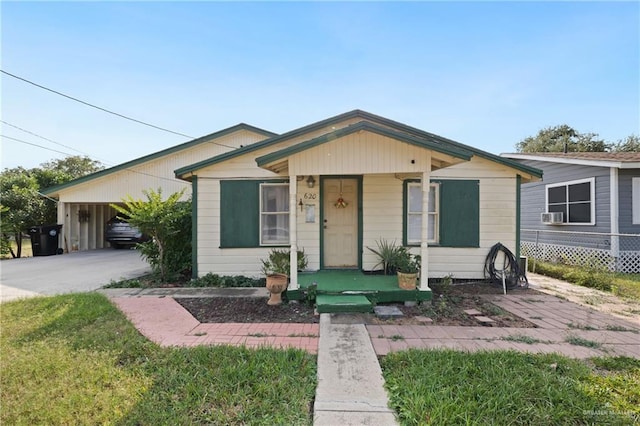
pixel 208 138
pixel 412 131
pixel 366 126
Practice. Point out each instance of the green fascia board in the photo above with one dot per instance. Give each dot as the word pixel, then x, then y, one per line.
pixel 366 126
pixel 262 144
pixel 435 138
pixel 346 116
pixel 208 138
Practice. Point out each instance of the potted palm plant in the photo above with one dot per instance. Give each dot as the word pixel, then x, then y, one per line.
pixel 408 267
pixel 276 269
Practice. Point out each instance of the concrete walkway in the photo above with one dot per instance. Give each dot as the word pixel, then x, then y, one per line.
pixel 350 384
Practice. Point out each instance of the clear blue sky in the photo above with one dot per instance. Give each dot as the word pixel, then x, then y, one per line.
pixel 485 74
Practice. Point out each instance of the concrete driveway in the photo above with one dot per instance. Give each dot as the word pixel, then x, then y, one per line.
pixel 66 273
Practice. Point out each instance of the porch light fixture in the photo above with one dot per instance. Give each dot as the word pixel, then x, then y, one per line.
pixel 311 181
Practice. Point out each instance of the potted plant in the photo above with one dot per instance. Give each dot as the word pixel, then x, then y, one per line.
pixel 387 253
pixel 276 269
pixel 408 266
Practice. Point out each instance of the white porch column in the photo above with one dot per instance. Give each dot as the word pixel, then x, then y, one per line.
pixel 62 220
pixel 424 246
pixel 293 231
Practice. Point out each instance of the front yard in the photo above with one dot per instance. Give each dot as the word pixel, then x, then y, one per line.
pixel 75 359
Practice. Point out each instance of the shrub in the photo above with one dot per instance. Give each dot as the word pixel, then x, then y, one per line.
pixel 214 280
pixel 168 223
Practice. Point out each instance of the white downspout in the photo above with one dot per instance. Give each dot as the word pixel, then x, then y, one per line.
pixel 424 246
pixel 293 233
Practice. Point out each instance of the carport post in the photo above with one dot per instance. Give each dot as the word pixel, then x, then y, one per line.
pixel 62 216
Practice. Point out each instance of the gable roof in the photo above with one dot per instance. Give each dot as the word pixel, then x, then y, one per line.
pixel 204 139
pixel 411 131
pixel 620 160
pixel 367 126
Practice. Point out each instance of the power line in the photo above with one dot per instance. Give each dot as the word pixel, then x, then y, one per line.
pixel 46 139
pixel 95 106
pixel 34 144
pixel 107 164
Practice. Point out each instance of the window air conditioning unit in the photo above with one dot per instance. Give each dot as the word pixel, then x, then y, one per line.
pixel 551 218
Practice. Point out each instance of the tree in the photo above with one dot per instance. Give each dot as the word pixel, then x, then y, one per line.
pixel 630 144
pixel 24 206
pixel 168 223
pixel 561 138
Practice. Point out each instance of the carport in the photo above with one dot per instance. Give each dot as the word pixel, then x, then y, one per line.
pixel 84 204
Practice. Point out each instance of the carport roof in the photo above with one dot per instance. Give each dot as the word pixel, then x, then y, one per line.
pixel 208 138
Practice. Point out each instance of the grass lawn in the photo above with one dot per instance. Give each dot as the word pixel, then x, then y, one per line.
pixel 26 249
pixel 446 387
pixel 623 285
pixel 75 359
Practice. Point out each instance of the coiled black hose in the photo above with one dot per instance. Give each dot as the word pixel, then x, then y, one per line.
pixel 510 268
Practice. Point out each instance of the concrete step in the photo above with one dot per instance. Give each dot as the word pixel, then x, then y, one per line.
pixel 329 303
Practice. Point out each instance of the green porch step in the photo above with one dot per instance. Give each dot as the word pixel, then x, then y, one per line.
pixel 332 303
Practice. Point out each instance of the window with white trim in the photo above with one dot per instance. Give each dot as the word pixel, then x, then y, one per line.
pixel 274 214
pixel 414 213
pixel 574 199
pixel 635 200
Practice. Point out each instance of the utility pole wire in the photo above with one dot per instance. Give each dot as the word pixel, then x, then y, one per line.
pixel 46 139
pixel 107 164
pixel 33 144
pixel 94 106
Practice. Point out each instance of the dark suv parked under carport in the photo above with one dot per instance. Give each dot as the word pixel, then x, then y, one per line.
pixel 120 233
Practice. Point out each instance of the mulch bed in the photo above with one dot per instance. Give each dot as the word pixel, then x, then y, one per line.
pixel 446 310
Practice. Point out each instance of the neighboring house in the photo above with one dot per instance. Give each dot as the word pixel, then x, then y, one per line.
pixel 357 179
pixel 594 203
pixel 84 203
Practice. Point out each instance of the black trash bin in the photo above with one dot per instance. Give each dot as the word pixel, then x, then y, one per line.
pixel 44 239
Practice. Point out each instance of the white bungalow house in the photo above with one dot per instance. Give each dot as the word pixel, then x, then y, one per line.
pixel 332 188
pixel 342 184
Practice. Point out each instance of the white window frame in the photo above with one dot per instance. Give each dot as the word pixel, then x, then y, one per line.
pixel 592 196
pixel 263 213
pixel 635 200
pixel 435 213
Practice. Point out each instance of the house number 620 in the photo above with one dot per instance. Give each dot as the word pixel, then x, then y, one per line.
pixel 309 196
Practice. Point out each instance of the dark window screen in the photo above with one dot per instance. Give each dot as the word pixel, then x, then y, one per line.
pixel 580 192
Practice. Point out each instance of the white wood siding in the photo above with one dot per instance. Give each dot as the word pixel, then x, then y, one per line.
pixel 245 261
pixel 154 174
pixel 382 219
pixel 362 153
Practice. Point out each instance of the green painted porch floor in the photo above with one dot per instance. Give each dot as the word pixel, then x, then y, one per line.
pixel 374 288
pixel 339 281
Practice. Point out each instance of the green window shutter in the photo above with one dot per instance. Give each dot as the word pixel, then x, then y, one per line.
pixel 239 213
pixel 459 213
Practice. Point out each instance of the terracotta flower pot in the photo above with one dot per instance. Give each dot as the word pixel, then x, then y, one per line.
pixel 276 284
pixel 407 281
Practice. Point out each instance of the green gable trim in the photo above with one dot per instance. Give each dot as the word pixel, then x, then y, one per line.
pixel 412 131
pixel 240 212
pixel 204 139
pixel 366 126
pixel 194 227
